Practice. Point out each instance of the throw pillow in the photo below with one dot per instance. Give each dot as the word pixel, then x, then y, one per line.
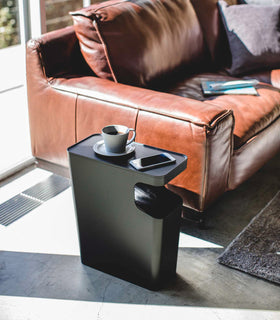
pixel 135 42
pixel 253 33
pixel 261 2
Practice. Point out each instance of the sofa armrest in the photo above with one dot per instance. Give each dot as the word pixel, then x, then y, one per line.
pixel 196 112
pixel 275 78
pixel 267 76
pixel 52 129
pixel 59 53
pixel 202 131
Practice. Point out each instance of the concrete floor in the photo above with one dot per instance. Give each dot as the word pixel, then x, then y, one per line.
pixel 41 276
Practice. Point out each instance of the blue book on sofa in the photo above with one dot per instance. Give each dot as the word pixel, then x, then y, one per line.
pixel 229 87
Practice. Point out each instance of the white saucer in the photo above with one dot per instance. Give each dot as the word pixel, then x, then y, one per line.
pixel 99 148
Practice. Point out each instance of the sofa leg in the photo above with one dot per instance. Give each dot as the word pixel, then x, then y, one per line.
pixel 193 216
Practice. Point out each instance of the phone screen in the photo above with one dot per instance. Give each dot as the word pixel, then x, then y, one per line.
pixel 152 162
pixel 159 158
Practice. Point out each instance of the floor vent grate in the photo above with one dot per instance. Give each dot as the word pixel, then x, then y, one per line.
pixel 21 204
pixel 48 188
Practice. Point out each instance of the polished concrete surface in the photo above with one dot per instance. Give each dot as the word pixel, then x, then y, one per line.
pixel 41 276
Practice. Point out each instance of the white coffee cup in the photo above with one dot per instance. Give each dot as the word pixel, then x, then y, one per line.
pixel 115 138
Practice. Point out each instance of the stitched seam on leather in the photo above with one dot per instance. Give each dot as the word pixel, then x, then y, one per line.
pixel 205 174
pixel 231 151
pixel 219 118
pixel 111 5
pixel 95 25
pixel 149 111
pixel 200 124
pixel 136 120
pixel 96 10
pixel 76 120
pixel 229 162
pixel 230 113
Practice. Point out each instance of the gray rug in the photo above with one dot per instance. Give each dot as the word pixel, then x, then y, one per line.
pixel 256 250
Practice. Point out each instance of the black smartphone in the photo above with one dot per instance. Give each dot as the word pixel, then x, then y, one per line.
pixel 155 161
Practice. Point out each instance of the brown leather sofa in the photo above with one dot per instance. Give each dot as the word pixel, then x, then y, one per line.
pixel 227 138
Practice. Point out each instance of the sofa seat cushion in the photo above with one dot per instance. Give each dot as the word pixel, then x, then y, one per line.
pixel 252 113
pixel 136 42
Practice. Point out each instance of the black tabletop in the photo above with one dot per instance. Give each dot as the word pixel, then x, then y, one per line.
pixel 84 148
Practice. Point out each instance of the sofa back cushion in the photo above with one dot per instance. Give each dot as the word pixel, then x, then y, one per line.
pixel 214 33
pixel 136 42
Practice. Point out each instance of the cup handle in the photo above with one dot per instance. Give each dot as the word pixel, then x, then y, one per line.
pixel 133 137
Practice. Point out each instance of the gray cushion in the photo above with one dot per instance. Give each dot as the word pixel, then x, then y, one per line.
pixel 253 33
pixel 261 2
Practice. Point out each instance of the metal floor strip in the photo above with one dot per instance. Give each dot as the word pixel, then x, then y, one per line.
pixel 15 208
pixel 21 204
pixel 48 188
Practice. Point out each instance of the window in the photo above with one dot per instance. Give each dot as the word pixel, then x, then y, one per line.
pixel 9 23
pixel 57 13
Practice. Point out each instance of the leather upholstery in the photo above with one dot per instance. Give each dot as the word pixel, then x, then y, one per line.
pixel 213 30
pixel 163 120
pixel 252 113
pixel 135 42
pixel 226 138
pixel 268 76
pixel 52 124
pixel 205 166
pixel 93 115
pixel 141 98
pixel 254 154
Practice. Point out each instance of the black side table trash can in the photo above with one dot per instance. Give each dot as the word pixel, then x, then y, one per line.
pixel 128 222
